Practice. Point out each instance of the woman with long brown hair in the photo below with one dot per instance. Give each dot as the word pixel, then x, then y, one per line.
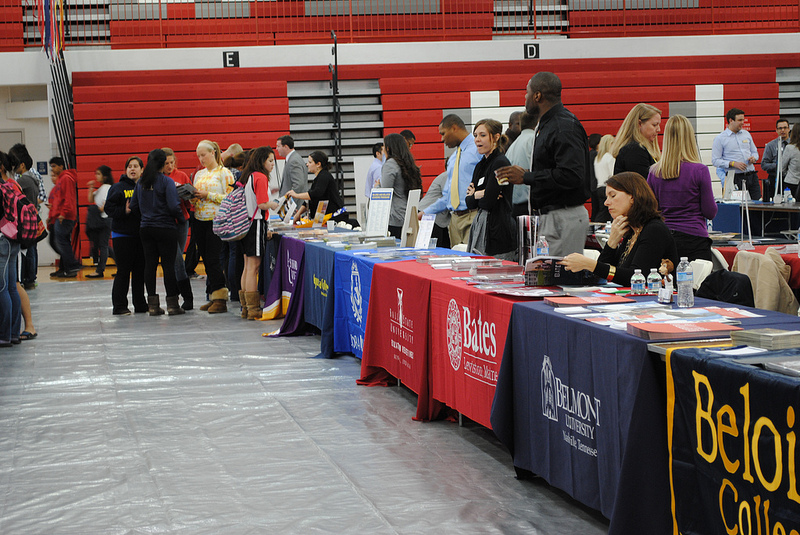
pixel 401 174
pixel 639 239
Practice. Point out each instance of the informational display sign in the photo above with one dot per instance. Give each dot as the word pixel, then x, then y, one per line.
pixel 425 231
pixel 410 224
pixel 291 208
pixel 380 206
pixel 319 216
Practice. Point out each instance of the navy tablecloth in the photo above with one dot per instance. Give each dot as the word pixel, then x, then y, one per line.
pixel 584 407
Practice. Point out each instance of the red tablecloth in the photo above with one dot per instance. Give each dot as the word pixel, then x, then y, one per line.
pixel 791 259
pixel 396 334
pixel 467 338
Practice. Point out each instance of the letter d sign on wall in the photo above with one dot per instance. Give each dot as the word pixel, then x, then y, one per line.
pixel 230 59
pixel 531 50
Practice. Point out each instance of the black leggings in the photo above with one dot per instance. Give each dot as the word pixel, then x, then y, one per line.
pixel 210 248
pixel 161 243
pixel 129 257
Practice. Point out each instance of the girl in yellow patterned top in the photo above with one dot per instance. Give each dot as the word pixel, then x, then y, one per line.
pixel 212 184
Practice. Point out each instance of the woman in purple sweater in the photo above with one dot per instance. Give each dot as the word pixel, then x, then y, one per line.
pixel 682 185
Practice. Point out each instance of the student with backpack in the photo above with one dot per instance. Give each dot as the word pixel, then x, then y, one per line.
pixel 156 198
pixel 255 178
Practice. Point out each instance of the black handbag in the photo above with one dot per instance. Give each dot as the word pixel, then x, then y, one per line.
pixel 94 219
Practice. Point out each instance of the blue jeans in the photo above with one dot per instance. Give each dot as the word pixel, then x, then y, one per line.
pixel 61 240
pixel 10 309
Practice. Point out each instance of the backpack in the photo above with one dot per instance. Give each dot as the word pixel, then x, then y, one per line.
pixel 232 222
pixel 20 220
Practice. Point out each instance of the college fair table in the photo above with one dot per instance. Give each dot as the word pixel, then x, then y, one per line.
pixel 583 406
pixel 732 443
pixel 417 312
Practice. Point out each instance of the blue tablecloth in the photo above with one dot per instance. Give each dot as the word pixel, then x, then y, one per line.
pixel 353 280
pixel 319 287
pixel 584 407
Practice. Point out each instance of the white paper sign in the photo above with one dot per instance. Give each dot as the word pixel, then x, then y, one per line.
pixel 380 206
pixel 291 208
pixel 410 223
pixel 425 231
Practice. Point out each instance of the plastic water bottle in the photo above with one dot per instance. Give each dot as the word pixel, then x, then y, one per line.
pixel 637 283
pixel 653 282
pixel 542 247
pixel 787 196
pixel 685 280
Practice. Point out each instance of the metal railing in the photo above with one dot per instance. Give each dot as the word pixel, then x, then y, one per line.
pixel 181 23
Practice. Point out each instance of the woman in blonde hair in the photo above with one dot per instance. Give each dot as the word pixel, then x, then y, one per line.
pixel 636 145
pixel 213 183
pixel 682 185
pixel 603 169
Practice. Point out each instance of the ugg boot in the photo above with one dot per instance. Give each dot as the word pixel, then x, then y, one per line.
pixel 153 306
pixel 219 300
pixel 243 302
pixel 172 306
pixel 185 289
pixel 205 307
pixel 253 305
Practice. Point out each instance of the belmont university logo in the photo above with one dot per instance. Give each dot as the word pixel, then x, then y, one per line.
pixel 548 390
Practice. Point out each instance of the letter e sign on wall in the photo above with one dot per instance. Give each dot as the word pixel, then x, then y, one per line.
pixel 230 59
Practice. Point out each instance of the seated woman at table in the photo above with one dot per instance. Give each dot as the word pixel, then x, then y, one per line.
pixel 791 162
pixel 639 239
pixel 682 185
pixel 322 189
pixel 401 174
pixel 494 231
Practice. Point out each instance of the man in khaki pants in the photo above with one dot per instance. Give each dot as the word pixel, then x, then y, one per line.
pixel 460 166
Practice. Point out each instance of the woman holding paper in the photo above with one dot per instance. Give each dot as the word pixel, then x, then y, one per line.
pixel 322 189
pixel 213 182
pixel 493 231
pixel 255 177
pixel 639 239
pixel 401 174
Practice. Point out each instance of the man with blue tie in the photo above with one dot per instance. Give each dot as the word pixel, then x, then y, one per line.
pixel 734 149
pixel 460 167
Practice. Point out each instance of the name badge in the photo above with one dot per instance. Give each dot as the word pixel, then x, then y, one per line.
pixel 745 141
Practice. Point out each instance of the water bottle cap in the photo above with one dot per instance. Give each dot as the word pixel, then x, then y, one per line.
pixel 684 258
pixel 653 270
pixel 637 270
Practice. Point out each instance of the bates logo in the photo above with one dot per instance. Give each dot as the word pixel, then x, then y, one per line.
pixel 454 334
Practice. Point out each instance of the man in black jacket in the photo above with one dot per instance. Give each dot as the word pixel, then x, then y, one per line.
pixel 559 177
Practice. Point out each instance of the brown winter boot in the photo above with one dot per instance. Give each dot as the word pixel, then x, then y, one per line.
pixel 219 300
pixel 172 306
pixel 243 303
pixel 153 306
pixel 253 305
